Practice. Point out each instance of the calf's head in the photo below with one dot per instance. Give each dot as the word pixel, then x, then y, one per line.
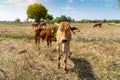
pixel 63 34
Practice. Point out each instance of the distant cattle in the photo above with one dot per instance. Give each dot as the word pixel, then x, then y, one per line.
pixel 44 34
pixel 63 37
pixel 99 24
pixel 42 24
pixel 35 24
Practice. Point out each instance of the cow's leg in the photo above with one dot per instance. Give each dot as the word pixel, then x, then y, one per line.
pixel 59 55
pixel 65 62
pixel 66 52
pixel 69 53
pixel 38 42
pixel 47 42
pixel 50 42
pixel 35 37
pixel 38 39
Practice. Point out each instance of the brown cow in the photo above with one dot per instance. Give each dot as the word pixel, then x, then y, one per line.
pixel 44 33
pixel 98 24
pixel 34 24
pixel 63 37
pixel 42 24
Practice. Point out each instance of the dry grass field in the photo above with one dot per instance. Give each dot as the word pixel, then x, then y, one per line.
pixel 95 54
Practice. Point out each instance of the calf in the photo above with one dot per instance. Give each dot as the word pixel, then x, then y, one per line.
pixel 98 24
pixel 44 33
pixel 63 37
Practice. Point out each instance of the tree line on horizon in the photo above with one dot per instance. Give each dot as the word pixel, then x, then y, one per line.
pixel 69 19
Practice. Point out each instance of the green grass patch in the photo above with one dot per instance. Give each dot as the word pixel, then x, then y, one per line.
pixel 13 24
pixel 17 36
pixel 113 24
pixel 95 39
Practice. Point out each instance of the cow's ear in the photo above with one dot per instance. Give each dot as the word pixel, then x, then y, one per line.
pixel 57 24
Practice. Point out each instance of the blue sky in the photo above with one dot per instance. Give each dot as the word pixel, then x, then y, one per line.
pixel 77 9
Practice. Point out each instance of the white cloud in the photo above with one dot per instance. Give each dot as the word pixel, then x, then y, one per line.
pixel 67 7
pixel 70 1
pixel 31 1
pixel 1 6
pixel 74 12
pixel 14 9
pixel 20 3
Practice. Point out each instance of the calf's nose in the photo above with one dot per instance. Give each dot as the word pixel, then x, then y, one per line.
pixel 64 40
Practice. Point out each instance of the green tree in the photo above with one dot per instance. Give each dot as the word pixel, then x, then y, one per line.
pixel 70 19
pixel 104 21
pixel 17 20
pixel 49 17
pixel 119 2
pixel 85 21
pixel 58 19
pixel 36 11
pixel 64 18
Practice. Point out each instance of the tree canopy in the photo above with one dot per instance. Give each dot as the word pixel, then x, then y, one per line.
pixel 36 11
pixel 49 17
pixel 17 20
pixel 64 18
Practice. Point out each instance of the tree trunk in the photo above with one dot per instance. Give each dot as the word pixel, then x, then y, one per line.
pixel 38 20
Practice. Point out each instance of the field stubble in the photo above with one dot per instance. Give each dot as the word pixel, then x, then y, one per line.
pixel 95 55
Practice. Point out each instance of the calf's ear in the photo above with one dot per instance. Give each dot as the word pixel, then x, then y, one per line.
pixel 74 29
pixel 57 24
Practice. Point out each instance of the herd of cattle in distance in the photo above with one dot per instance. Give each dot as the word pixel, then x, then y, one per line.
pixel 63 37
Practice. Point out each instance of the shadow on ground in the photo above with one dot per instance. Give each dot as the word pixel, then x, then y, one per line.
pixel 83 69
